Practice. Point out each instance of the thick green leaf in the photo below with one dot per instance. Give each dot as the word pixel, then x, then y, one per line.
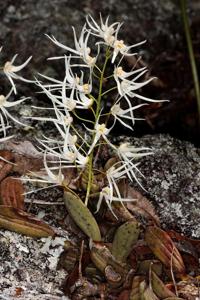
pixel 82 216
pixel 159 287
pixel 124 239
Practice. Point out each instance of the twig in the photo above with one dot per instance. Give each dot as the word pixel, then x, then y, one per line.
pixel 80 261
pixel 172 274
pixel 191 53
pixel 41 202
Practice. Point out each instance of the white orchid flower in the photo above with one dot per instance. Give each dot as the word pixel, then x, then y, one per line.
pixel 123 83
pixel 127 167
pixel 83 90
pixel 77 98
pixel 127 89
pixel 10 71
pixel 63 120
pixel 81 48
pixel 119 73
pixel 111 192
pixel 63 101
pixel 4 104
pixel 109 33
pixel 49 177
pixel 125 114
pixel 130 85
pixel 100 130
pixel 106 193
pixel 79 90
pixel 70 153
pixel 120 47
pixel 104 31
pixel 128 152
pixel 77 83
pixel 5 138
pixel 66 149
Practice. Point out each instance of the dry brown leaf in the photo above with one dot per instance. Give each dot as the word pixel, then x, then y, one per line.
pixel 5 168
pixel 26 164
pixel 25 148
pixel 28 159
pixel 124 295
pixel 141 205
pixel 164 249
pixel 19 221
pixel 26 156
pixel 11 192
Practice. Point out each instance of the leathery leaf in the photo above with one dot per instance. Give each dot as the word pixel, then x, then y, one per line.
pixel 174 298
pixel 164 249
pixel 114 271
pixel 82 216
pixel 145 265
pixel 159 287
pixel 149 295
pixel 124 239
pixel 146 292
pixel 17 220
pixel 135 289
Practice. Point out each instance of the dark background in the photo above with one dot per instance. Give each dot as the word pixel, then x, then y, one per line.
pixel 24 23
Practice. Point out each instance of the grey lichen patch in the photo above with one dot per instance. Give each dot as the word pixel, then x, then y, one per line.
pixel 29 265
pixel 172 181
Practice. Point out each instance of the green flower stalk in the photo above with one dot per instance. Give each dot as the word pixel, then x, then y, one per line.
pixel 191 53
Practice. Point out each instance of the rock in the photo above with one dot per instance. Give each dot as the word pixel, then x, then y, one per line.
pixel 172 181
pixel 27 271
pixel 28 266
pixel 25 23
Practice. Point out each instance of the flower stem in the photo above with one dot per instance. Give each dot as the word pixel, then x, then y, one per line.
pixel 98 107
pixel 101 83
pixel 110 90
pixel 90 178
pixel 191 53
pixel 82 119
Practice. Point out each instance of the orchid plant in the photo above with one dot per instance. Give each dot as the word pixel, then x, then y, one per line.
pixel 93 72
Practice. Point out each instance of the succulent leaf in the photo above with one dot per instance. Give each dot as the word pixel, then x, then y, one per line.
pixel 82 216
pixel 124 239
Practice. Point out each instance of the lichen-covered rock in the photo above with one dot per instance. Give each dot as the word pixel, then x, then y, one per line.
pixel 28 266
pixel 172 181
